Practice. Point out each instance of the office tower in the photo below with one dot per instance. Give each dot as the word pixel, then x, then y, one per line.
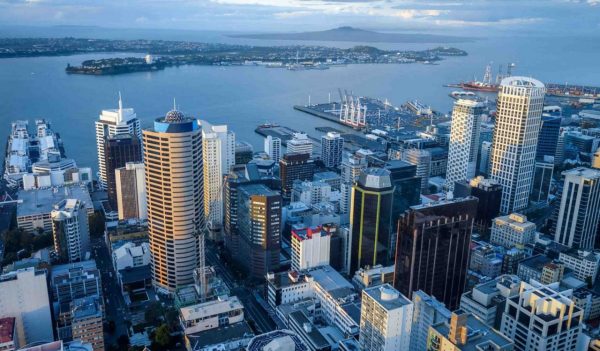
pixel 243 152
pixel 300 144
pixel 421 159
pixel 432 253
pixel 70 230
pixel 489 193
pixel 350 167
pixel 542 318
pixel 310 248
pixel 385 319
pixel 332 145
pixel 427 311
pixel 87 321
pixel 512 157
pixel 464 141
pixel 218 155
pixel 24 296
pixel 548 138
pixel 173 147
pixel 259 225
pixel 484 157
pixel 297 166
pixel 370 219
pixel 406 187
pixel 579 211
pixel 542 179
pixel 118 151
pixel 114 122
pixel 465 332
pixel 512 230
pixel 273 148
pixel 131 191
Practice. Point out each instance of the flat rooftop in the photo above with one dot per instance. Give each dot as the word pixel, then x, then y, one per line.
pixel 220 335
pixel 314 334
pixel 388 297
pixel 7 329
pixel 42 201
pixel 211 308
pixel 478 334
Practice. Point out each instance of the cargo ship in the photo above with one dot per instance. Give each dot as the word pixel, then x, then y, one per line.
pixel 486 85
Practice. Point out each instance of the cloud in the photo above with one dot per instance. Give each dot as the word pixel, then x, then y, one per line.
pixel 500 22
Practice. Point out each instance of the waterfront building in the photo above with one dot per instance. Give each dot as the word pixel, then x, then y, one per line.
pixel 542 179
pixel 175 204
pixel 332 145
pixel 512 157
pixel 310 248
pixel 579 211
pixel 259 224
pixel 292 167
pixel 300 144
pixel 464 332
pixel 70 230
pixel 111 123
pixel 541 317
pixel 71 175
pixel 385 319
pixel 433 249
pixel 24 296
pixel 118 151
pixel 489 193
pixel 421 159
pixel 427 311
pixel 548 138
pixel 512 230
pixel 131 191
pixel 370 219
pixel 464 141
pixel 273 148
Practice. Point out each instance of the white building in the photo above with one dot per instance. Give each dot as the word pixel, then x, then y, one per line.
pixel 385 319
pixel 512 230
pixel 131 255
pixel 300 143
pixel 273 148
pixel 579 208
pixel 57 178
pixel 313 192
pixel 131 191
pixel 310 248
pixel 427 311
pixel 70 230
pixel 211 314
pixel 464 141
pixel 332 145
pixel 422 159
pixel 542 318
pixel 583 263
pixel 518 122
pixel 24 295
pixel 114 122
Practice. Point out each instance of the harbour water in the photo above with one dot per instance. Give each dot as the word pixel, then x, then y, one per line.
pixel 246 96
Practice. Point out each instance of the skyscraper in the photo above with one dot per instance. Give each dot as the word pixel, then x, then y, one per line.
pixel 489 193
pixel 548 138
pixel 464 141
pixel 432 252
pixel 579 211
pixel 70 230
pixel 118 151
pixel 332 145
pixel 273 148
pixel 294 166
pixel 542 180
pixel 421 159
pixel 131 191
pixel 351 167
pixel 114 122
pixel 512 157
pixel 174 184
pixel 300 144
pixel 370 219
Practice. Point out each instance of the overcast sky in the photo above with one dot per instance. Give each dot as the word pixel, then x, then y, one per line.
pixel 456 16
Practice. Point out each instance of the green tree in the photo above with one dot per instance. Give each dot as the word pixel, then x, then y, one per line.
pixel 162 336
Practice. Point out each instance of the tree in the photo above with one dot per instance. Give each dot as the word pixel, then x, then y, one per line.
pixel 97 224
pixel 162 336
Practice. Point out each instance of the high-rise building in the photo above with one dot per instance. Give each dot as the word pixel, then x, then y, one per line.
pixel 310 248
pixel 332 145
pixel 300 144
pixel 114 122
pixel 174 184
pixel 70 230
pixel 87 321
pixel 489 193
pixel 432 253
pixel 406 188
pixel 294 166
pixel 579 211
pixel 541 317
pixel 484 158
pixel 385 319
pixel 421 159
pixel 370 219
pixel 512 230
pixel 351 167
pixel 24 296
pixel 218 155
pixel 427 311
pixel 131 191
pixel 273 148
pixel 259 225
pixel 542 179
pixel 464 141
pixel 118 151
pixel 512 157
pixel 243 152
pixel 548 138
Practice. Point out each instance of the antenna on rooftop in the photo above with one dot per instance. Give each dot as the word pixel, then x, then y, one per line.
pixel 174 104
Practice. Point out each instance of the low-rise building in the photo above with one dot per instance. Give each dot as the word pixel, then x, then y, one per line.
pixel 486 261
pixel 310 335
pixel 512 230
pixel 211 314
pixel 540 268
pixel 377 275
pixel 280 340
pixel 227 338
pixel 583 263
pixel 87 318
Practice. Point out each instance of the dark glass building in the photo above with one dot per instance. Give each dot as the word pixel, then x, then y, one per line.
pixel 118 150
pixel 548 137
pixel 370 219
pixel 294 166
pixel 489 193
pixel 433 249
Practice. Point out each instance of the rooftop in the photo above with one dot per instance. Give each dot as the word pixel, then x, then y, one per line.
pixel 42 201
pixel 7 329
pixel 51 346
pixel 257 189
pixel 311 332
pixel 524 82
pixel 536 262
pixel 220 335
pixel 281 340
pixel 86 307
pixel 478 335
pixel 211 308
pixel 376 178
pixel 388 297
pixel 516 221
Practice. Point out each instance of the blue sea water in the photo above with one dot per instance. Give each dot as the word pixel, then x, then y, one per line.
pixel 244 97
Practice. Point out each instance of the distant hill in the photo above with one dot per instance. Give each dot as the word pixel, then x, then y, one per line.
pixel 358 35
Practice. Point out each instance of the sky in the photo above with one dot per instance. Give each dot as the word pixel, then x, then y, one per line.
pixel 473 17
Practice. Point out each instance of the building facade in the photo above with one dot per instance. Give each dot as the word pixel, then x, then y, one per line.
pixel 332 145
pixel 310 248
pixel 131 191
pixel 273 148
pixel 512 230
pixel 294 166
pixel 427 311
pixel 118 151
pixel 70 230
